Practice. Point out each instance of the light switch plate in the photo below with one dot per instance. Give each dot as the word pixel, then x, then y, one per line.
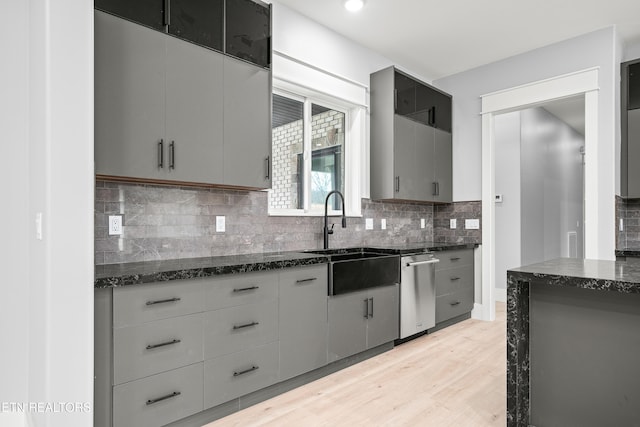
pixel 472 224
pixel 220 224
pixel 422 223
pixel 621 225
pixel 115 225
pixel 453 223
pixel 368 224
pixel 383 224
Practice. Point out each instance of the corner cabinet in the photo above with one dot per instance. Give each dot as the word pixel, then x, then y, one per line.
pixel 168 110
pixel 410 124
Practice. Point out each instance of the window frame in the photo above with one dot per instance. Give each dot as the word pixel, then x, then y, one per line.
pixel 353 143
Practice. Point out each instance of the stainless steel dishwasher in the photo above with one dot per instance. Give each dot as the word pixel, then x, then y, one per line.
pixel 417 293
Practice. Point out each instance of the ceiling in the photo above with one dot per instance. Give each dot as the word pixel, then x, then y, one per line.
pixel 435 39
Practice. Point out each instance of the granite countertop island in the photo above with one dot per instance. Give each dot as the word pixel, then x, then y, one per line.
pixel 125 274
pixel 573 317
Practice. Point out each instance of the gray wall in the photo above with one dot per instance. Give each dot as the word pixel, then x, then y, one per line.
pixel 539 174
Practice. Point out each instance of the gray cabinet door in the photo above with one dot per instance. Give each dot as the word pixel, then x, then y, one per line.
pixel 442 160
pixel 347 325
pixel 303 320
pixel 194 111
pixel 424 162
pixel 247 125
pixel 383 324
pixel 129 98
pixel 404 159
pixel 633 154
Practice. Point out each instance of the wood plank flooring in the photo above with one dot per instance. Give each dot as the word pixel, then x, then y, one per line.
pixel 454 377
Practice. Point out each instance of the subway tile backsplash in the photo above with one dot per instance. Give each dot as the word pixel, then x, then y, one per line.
pixel 629 211
pixel 165 222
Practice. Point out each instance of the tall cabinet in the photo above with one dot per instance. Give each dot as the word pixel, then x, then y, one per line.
pixel 410 139
pixel 630 129
pixel 171 104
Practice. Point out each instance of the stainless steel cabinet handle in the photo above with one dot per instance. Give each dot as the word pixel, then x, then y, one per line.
pixel 160 399
pixel 163 301
pixel 251 288
pixel 268 168
pixel 431 261
pixel 246 371
pixel 455 303
pixel 247 325
pixel 371 311
pixel 397 184
pixel 167 12
pixel 310 279
pixel 395 100
pixel 454 278
pixel 455 258
pixel 163 344
pixel 161 154
pixel 172 157
pixel 366 308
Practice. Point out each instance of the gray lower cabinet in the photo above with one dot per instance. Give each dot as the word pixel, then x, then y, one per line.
pixel 454 284
pixel 302 320
pixel 159 399
pixel 247 126
pixel 362 320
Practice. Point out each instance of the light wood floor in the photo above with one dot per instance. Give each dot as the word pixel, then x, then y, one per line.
pixel 454 377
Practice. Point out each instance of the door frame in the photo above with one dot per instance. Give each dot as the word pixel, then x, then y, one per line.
pixel 583 82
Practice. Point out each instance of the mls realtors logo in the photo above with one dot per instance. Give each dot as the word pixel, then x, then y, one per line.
pixel 45 407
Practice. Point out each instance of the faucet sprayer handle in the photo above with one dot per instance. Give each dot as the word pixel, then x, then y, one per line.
pixel 344 222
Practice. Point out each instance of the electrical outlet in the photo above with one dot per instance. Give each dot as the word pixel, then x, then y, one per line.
pixel 621 225
pixel 472 224
pixel 115 225
pixel 453 223
pixel 368 224
pixel 383 224
pixel 423 223
pixel 39 225
pixel 220 224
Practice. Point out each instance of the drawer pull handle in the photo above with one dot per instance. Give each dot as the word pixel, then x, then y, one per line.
pixel 160 399
pixel 456 258
pixel 248 325
pixel 246 371
pixel 311 279
pixel 455 278
pixel 455 303
pixel 163 301
pixel 152 346
pixel 252 288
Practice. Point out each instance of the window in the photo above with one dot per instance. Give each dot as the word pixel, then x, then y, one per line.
pixel 309 143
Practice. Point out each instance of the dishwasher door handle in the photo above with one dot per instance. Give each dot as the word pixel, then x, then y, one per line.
pixel 431 261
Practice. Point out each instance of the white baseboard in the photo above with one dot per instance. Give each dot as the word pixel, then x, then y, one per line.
pixel 501 295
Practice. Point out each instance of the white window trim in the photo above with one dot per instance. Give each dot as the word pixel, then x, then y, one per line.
pixel 355 139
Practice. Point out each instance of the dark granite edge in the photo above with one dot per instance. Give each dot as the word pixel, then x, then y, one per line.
pixel 194 273
pixel 575 282
pixel 628 252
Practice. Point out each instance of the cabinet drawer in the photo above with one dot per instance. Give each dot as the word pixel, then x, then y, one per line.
pixel 159 399
pixel 150 348
pixel 237 374
pixel 305 282
pixel 233 329
pixel 452 259
pixel 137 304
pixel 455 304
pixel 240 289
pixel 453 280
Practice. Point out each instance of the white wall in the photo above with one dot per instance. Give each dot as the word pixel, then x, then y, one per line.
pixel 507 149
pixel 48 307
pixel 631 51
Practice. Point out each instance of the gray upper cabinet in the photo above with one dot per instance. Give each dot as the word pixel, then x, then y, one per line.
pixel 170 110
pixel 410 125
pixel 630 129
pixel 129 98
pixel 247 124
pixel 194 88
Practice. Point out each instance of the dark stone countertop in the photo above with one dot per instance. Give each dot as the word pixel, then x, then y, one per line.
pixel 619 276
pixel 114 275
pixel 134 273
pixel 630 252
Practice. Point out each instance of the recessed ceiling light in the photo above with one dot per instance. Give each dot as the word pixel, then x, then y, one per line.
pixel 353 5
